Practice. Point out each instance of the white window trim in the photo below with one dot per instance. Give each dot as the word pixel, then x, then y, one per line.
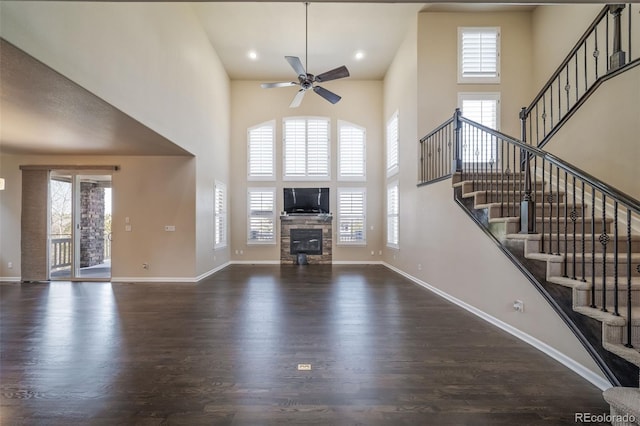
pixel 363 241
pixel 223 215
pixel 389 243
pixel 478 80
pixel 273 216
pixel 362 178
pixel 481 96
pixel 306 177
pixel 272 177
pixel 392 169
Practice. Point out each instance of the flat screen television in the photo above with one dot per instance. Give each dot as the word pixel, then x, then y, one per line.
pixel 306 200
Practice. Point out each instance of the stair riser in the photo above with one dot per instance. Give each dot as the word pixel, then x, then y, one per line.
pixel 618 335
pixel 622 269
pixel 583 297
pixel 622 246
pixel 508 209
pixel 494 186
pixel 552 226
pixel 498 197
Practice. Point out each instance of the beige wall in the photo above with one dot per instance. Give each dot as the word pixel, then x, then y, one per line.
pixel 439 244
pixel 151 191
pixel 154 62
pixel 602 137
pixel 438 58
pixel 361 105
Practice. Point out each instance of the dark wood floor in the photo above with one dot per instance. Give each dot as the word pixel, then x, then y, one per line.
pixel 225 352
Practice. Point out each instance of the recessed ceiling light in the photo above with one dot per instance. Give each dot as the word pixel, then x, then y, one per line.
pixel 253 55
pixel 359 55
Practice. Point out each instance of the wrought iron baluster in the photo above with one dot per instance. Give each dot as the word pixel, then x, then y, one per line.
pixel 584 236
pixel 615 259
pixel 550 197
pixel 502 171
pixel 558 210
pixel 604 240
pixel 544 215
pixel 628 344
pixel 574 218
pixel 566 225
pixel 596 52
pixel 593 247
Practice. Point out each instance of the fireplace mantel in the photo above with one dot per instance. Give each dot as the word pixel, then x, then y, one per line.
pixel 306 221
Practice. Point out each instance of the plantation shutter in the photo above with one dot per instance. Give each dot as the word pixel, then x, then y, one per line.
pixel 317 148
pixel 220 214
pixel 351 215
pixel 392 145
pixel 261 151
pixel 261 215
pixel 295 149
pixel 351 156
pixel 480 147
pixel 479 52
pixel 393 223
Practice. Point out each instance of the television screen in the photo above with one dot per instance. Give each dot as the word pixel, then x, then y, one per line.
pixel 306 200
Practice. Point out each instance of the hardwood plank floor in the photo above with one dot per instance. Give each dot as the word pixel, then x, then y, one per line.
pixel 225 352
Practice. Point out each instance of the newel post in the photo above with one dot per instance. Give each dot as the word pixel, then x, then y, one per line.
pixel 528 203
pixel 457 158
pixel 617 58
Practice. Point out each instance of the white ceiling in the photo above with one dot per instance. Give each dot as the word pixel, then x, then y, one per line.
pixel 336 32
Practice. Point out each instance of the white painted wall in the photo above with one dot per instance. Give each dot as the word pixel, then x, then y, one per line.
pixel 154 62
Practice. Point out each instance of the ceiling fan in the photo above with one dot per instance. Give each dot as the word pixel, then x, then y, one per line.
pixel 305 80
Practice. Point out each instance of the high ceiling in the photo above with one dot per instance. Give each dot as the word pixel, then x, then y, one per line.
pixel 65 118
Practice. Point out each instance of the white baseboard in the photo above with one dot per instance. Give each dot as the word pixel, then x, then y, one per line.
pixel 212 271
pixel 598 381
pixel 357 262
pixel 173 280
pixel 10 279
pixel 255 262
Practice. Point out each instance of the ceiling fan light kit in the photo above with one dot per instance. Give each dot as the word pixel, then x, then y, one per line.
pixel 305 80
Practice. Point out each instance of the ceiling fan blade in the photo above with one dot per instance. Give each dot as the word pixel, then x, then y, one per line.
pixel 297 100
pixel 296 64
pixel 283 84
pixel 334 74
pixel 328 95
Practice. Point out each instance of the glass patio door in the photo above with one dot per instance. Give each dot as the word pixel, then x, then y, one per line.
pixel 79 226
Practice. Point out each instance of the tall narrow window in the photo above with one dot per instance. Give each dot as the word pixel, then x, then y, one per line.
pixel 260 151
pixel 262 218
pixel 479 55
pixel 220 214
pixel 351 216
pixel 392 145
pixel 306 148
pixel 351 151
pixel 483 108
pixel 393 218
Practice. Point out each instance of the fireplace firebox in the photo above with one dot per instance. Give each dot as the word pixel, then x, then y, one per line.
pixel 307 241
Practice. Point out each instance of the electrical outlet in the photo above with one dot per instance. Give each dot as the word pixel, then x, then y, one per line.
pixel 304 367
pixel 10 265
pixel 518 306
pixel 170 228
pixel 373 253
pixel 145 266
pixel 379 252
pixel 419 266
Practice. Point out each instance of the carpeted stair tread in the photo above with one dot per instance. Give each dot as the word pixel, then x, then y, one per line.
pixel 586 285
pixel 624 401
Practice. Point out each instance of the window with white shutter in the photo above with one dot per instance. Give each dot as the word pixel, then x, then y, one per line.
pixel 351 152
pixel 261 216
pixel 483 108
pixel 260 151
pixel 393 217
pixel 392 145
pixel 351 216
pixel 479 55
pixel 306 148
pixel 220 214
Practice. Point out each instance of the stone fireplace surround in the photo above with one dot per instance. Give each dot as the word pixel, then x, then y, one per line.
pixel 321 221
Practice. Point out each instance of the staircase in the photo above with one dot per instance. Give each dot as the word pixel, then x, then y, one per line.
pixel 568 253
